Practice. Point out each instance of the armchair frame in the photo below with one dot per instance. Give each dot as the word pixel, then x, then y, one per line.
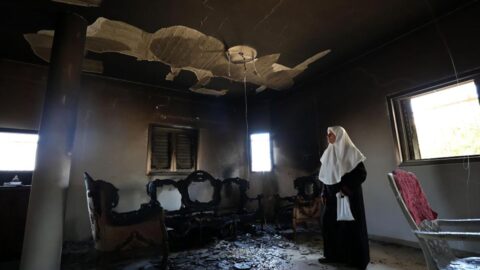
pixel 437 236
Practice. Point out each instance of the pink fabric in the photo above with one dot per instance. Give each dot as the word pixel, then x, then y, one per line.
pixel 413 196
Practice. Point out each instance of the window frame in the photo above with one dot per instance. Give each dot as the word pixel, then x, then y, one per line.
pixel 405 149
pixel 173 170
pixel 250 159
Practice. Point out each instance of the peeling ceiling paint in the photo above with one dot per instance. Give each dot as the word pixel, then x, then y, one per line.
pixel 211 92
pixel 83 3
pixel 349 28
pixel 42 42
pixel 181 48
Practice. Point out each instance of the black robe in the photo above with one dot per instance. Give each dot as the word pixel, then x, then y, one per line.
pixel 346 241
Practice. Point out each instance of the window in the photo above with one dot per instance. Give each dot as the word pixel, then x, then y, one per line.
pixel 17 151
pixel 260 152
pixel 172 149
pixel 438 123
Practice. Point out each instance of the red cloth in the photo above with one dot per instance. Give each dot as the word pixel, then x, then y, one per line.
pixel 413 196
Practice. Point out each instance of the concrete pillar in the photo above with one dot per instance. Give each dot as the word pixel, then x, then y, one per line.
pixel 42 245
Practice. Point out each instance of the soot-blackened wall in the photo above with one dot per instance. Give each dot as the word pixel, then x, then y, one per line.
pixel 112 133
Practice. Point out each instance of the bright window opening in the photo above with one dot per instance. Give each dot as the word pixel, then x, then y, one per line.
pixel 17 151
pixel 447 122
pixel 438 123
pixel 260 152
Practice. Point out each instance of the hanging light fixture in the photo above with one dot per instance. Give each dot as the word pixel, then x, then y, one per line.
pixel 241 54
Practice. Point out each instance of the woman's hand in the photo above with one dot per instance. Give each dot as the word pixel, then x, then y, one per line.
pixel 345 190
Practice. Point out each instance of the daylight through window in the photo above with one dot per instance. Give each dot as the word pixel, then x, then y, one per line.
pixel 260 152
pixel 17 151
pixel 441 123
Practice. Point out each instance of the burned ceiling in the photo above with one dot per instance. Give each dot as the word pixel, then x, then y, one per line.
pixel 184 45
pixel 84 3
pixel 181 48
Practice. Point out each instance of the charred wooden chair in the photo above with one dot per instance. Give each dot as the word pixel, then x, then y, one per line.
pixel 308 205
pixel 112 231
pixel 214 215
pixel 304 207
pixel 424 223
pixel 193 215
pixel 176 219
pixel 234 205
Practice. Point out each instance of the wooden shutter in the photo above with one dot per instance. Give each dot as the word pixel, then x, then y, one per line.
pixel 161 150
pixel 185 151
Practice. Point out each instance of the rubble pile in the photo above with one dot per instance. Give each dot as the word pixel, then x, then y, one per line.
pixel 270 251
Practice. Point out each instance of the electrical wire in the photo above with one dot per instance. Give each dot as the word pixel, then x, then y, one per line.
pixel 246 113
pixel 444 40
pixel 229 62
pixel 466 160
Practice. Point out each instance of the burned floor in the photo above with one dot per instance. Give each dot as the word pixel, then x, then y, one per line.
pixel 268 249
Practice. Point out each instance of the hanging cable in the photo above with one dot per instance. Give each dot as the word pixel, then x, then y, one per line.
pixel 444 40
pixel 466 160
pixel 255 69
pixel 229 62
pixel 466 166
pixel 246 113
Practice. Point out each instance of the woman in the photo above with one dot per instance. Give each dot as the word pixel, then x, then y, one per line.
pixel 343 171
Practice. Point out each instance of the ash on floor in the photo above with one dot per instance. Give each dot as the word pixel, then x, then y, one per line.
pixel 247 252
pixel 269 250
pixel 274 251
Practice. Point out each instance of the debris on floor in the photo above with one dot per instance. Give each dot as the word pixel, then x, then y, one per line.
pixel 269 251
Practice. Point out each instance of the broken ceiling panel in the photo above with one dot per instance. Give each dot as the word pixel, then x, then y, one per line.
pixel 172 74
pixel 203 76
pixel 92 66
pixel 207 91
pixel 42 42
pixel 83 3
pixel 184 48
pixel 114 36
pixel 263 64
pixel 304 65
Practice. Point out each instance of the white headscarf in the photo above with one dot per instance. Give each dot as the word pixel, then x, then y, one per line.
pixel 339 158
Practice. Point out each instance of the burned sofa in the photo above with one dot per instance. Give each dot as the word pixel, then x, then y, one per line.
pixel 225 209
